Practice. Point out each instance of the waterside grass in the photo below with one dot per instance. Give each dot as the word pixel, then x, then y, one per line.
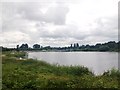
pixel 29 74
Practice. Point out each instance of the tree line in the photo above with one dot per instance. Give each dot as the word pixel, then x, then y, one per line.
pixel 109 46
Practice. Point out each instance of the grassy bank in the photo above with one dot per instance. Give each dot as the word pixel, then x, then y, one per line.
pixel 32 74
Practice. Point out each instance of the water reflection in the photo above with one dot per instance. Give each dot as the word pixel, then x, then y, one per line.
pixel 98 62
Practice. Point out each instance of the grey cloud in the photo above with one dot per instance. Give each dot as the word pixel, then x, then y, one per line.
pixel 15 15
pixel 64 31
pixel 54 14
pixel 45 1
pixel 13 38
pixel 106 27
pixel 33 25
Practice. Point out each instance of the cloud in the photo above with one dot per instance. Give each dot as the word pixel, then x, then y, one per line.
pixel 61 31
pixel 57 23
pixel 57 15
pixel 107 27
pixel 13 38
pixel 34 12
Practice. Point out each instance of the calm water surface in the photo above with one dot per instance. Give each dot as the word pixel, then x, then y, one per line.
pixel 97 62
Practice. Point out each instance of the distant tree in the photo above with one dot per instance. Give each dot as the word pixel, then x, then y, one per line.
pixel 118 47
pixel 71 45
pixel 17 46
pixel 24 46
pixel 97 45
pixel 77 45
pixel 36 46
pixel 111 44
pixel 74 45
pixel 104 48
pixel 87 46
pixel 48 48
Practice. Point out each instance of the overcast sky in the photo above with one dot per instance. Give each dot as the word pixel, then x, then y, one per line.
pixel 58 22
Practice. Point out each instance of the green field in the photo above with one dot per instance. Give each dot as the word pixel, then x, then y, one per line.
pixel 29 74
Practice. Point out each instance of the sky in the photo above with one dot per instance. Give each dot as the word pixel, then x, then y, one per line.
pixel 58 22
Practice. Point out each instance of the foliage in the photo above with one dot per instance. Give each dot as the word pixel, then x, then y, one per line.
pixel 109 46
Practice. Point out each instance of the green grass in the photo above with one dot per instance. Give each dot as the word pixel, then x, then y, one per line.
pixel 32 74
pixel 14 54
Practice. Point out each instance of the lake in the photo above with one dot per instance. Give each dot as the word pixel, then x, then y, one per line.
pixel 97 62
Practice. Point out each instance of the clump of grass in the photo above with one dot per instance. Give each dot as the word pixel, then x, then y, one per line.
pixel 112 73
pixel 71 70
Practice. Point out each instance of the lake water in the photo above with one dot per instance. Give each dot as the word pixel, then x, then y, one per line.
pixel 97 62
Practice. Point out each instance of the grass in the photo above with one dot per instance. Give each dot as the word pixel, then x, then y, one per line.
pixel 32 74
